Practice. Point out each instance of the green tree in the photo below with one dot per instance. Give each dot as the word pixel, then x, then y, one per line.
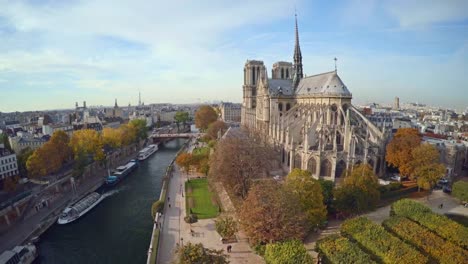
pixel 204 116
pixel 460 190
pixel 181 117
pixel 5 141
pixel 288 252
pixel 426 166
pixel 196 253
pixel 272 213
pixel 22 159
pixel 327 191
pixel 359 192
pixel 140 127
pixel 309 191
pixel 226 226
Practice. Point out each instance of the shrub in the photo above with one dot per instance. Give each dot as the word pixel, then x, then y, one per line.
pixel 191 218
pixel 338 249
pixel 288 252
pixel 382 244
pixel 226 226
pixel 390 187
pixel 441 225
pixel 259 249
pixel 157 207
pixel 439 249
pixel 460 190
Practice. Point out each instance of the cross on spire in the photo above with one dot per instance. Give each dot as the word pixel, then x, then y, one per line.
pixel 335 59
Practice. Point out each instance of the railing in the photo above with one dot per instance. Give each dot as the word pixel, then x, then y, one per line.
pixel 177 135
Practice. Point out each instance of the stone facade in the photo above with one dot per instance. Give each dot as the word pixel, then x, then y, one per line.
pixel 310 120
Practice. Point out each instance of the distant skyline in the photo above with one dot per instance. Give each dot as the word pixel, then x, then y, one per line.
pixel 55 53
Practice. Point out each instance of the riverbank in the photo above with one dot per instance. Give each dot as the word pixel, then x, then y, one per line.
pixel 37 222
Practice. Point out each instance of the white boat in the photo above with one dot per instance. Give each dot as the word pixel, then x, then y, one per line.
pixel 73 212
pixel 146 152
pixel 20 254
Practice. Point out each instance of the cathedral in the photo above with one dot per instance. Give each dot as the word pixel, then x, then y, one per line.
pixel 309 119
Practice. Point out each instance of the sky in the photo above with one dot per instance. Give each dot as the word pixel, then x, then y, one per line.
pixel 54 53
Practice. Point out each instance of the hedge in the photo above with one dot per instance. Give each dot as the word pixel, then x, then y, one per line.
pixel 441 225
pixel 336 249
pixel 157 207
pixel 287 252
pixel 439 249
pixel 374 238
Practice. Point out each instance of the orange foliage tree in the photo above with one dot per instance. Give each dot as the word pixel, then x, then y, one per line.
pixel 204 116
pixel 272 213
pixel 426 166
pixel 184 160
pixel 399 150
pixel 216 127
pixel 87 141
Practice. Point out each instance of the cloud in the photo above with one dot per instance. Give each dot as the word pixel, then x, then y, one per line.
pixel 423 13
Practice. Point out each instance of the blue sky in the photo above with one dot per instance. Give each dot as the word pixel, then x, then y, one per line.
pixel 54 53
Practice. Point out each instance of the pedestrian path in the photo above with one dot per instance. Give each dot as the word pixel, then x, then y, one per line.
pixel 176 232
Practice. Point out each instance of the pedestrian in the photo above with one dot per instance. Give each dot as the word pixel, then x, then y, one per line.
pixel 441 206
pixel 168 198
pixel 227 249
pixel 169 205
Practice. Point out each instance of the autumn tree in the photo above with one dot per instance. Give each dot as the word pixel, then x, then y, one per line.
pixel 50 157
pixel 184 160
pixel 237 161
pixel 359 192
pixel 272 213
pixel 181 117
pixel 287 252
pixel 309 191
pixel 460 190
pixel 204 116
pixel 87 141
pixel 128 134
pixel 426 166
pixel 196 253
pixel 215 128
pixel 112 137
pixel 10 184
pixel 400 148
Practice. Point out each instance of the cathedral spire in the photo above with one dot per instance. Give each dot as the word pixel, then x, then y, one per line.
pixel 298 74
pixel 115 105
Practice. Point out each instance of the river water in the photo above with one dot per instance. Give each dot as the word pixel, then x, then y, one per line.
pixel 118 230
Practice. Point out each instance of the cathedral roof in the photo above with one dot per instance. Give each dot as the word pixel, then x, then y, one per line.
pixel 328 83
pixel 280 86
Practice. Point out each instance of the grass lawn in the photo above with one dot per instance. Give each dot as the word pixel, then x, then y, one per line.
pixel 201 151
pixel 203 205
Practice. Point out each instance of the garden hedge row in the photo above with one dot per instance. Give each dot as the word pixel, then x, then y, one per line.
pixel 441 225
pixel 336 249
pixel 439 249
pixel 385 246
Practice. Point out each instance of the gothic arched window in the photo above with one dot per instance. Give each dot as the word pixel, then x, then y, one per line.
pixel 340 168
pixel 287 73
pixel 288 106
pixel 280 107
pixel 312 166
pixel 282 73
pixel 297 161
pixel 325 168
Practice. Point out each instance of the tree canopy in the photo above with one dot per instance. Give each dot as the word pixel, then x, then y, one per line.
pixel 184 160
pixel 359 192
pixel 309 191
pixel 426 166
pixel 204 116
pixel 181 117
pixel 196 253
pixel 237 161
pixel 215 127
pixel 272 213
pixel 226 226
pixel 399 150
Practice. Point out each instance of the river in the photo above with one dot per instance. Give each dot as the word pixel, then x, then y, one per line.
pixel 118 230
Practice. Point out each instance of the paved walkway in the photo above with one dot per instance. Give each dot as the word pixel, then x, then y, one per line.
pixel 176 231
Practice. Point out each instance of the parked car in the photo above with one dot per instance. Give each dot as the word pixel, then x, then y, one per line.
pixel 443 181
pixel 396 177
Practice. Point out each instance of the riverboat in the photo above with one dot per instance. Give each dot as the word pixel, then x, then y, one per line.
pixel 146 152
pixel 20 254
pixel 77 210
pixel 120 173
